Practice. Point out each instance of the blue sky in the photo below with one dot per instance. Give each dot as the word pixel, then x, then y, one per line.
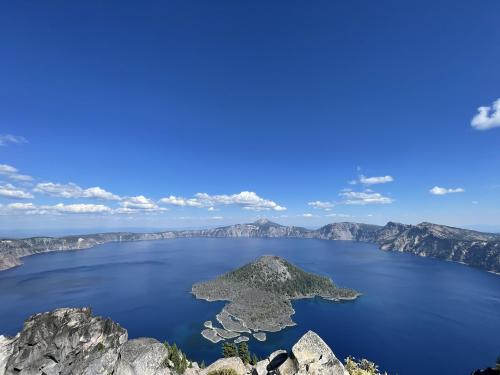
pixel 122 112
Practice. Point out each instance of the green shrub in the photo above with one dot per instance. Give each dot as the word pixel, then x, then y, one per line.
pixel 361 367
pixel 178 358
pixel 223 371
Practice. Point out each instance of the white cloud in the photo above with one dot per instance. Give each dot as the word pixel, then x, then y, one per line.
pixel 248 200
pixel 217 217
pixel 12 192
pixel 7 169
pixel 307 215
pixel 436 190
pixel 364 198
pixel 327 206
pixel 487 117
pixel 21 206
pixel 12 173
pixel 72 190
pixel 98 193
pixel 180 201
pixel 60 208
pixel 338 215
pixel 9 138
pixel 138 204
pixel 21 177
pixel 80 208
pixel 375 180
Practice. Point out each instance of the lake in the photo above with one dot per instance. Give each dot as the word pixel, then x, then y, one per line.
pixel 416 315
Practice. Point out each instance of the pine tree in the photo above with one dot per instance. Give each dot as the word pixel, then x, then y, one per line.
pixel 243 352
pixel 183 365
pixel 175 357
pixel 229 350
pixel 254 360
pixel 202 364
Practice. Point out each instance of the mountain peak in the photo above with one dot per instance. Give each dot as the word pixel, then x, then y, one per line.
pixel 264 221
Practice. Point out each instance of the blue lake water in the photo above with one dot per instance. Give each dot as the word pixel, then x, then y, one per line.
pixel 416 315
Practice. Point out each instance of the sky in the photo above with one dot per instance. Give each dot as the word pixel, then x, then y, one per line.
pixel 184 114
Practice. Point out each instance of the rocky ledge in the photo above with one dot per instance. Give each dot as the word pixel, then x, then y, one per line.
pixel 72 341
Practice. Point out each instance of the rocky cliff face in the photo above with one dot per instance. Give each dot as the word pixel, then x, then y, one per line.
pixel 348 232
pixel 72 341
pixel 466 246
pixel 469 247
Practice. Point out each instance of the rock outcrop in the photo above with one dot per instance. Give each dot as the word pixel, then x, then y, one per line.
pixel 312 356
pixel 473 248
pixel 72 341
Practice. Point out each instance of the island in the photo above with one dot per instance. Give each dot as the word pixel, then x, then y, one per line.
pixel 260 295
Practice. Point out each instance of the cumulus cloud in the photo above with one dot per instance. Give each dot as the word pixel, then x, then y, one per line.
pixel 12 173
pixel 487 117
pixel 248 200
pixel 60 208
pixel 338 215
pixel 180 201
pixel 138 204
pixel 307 215
pixel 7 169
pixel 436 190
pixel 72 190
pixel 363 197
pixel 21 206
pixel 321 205
pixel 21 177
pixel 375 180
pixel 5 139
pixel 81 208
pixel 12 192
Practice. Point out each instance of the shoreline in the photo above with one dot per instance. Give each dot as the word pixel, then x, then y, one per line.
pixel 264 331
pixel 12 250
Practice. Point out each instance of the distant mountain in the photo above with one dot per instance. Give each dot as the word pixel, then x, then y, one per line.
pixel 261 228
pixel 470 247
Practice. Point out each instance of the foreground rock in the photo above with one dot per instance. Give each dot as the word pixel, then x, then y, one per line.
pixel 260 292
pixel 313 356
pixel 425 239
pixel 71 341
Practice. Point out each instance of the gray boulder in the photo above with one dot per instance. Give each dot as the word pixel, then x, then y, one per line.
pixel 144 356
pixel 260 367
pixel 227 363
pixel 312 356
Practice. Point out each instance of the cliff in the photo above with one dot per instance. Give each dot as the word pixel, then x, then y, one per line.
pixel 469 247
